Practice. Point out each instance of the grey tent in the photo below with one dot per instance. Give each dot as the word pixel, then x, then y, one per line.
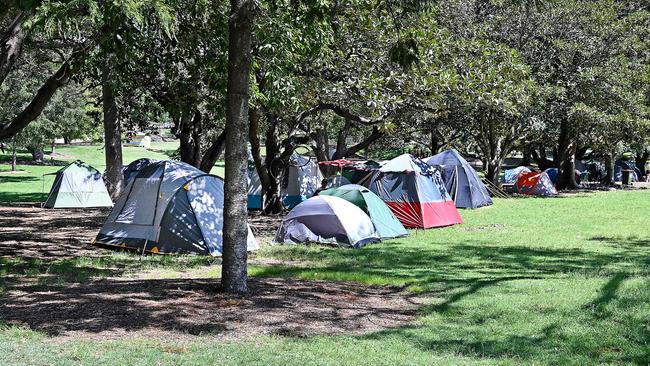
pixel 78 185
pixel 169 207
pixel 461 180
pixel 131 170
pixel 327 219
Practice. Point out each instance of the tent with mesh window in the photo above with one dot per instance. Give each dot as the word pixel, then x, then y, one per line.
pixel 169 207
pixel 78 185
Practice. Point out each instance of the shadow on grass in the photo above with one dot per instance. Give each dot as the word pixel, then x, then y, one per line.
pixel 10 197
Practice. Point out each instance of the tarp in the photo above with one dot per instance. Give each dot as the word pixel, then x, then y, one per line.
pixel 415 192
pixel 78 185
pixel 169 207
pixel 461 180
pixel 510 175
pixel 301 182
pixel 535 184
pixel 327 219
pixel 337 181
pixel 386 224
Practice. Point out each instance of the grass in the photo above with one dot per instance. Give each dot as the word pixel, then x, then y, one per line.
pixel 32 185
pixel 526 281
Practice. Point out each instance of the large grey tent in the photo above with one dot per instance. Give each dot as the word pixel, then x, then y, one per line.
pixel 78 185
pixel 169 207
pixel 461 180
pixel 327 219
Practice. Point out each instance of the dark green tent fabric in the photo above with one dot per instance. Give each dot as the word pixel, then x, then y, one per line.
pixel 386 224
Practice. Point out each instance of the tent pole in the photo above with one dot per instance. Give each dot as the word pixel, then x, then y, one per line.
pixel 143 248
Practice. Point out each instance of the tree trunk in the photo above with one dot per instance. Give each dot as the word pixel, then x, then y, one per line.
pixel 112 138
pixel 235 224
pixel 11 45
pixel 566 162
pixel 609 169
pixel 213 153
pixel 13 154
pixel 37 154
pixel 38 103
pixel 640 160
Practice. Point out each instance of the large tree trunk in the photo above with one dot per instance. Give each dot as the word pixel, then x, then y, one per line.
pixel 234 273
pixel 189 135
pixel 609 169
pixel 566 162
pixel 38 103
pixel 112 138
pixel 37 154
pixel 540 158
pixel 11 45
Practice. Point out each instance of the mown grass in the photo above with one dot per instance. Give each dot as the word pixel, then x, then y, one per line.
pixel 526 281
pixel 32 184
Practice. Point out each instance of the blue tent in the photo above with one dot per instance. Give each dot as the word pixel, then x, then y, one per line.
pixel 461 180
pixel 552 174
pixel 510 175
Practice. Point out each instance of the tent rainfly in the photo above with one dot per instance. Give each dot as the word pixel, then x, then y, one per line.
pixel 254 186
pixel 301 181
pixel 415 192
pixel 327 219
pixel 169 207
pixel 510 175
pixel 78 185
pixel 386 224
pixel 535 184
pixel 461 180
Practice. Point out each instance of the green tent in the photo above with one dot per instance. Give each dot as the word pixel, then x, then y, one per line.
pixel 382 217
pixel 78 185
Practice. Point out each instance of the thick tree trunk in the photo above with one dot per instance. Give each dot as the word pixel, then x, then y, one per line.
pixel 539 157
pixel 112 138
pixel 609 169
pixel 234 274
pixel 566 162
pixel 38 103
pixel 11 45
pixel 189 129
pixel 13 154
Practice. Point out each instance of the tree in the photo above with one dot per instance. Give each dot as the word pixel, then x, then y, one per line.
pixel 235 230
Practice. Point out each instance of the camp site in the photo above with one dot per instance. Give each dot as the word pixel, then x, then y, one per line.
pixel 462 182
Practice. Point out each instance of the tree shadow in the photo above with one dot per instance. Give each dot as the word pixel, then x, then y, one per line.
pixel 110 308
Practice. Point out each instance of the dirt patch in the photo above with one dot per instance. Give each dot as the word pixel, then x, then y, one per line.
pixel 32 232
pixel 184 309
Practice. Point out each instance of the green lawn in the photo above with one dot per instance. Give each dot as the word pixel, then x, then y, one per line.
pixel 31 185
pixel 526 281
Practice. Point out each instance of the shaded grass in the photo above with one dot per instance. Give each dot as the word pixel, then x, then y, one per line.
pixel 526 281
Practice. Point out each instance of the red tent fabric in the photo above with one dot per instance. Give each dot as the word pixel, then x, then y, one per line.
pixel 337 163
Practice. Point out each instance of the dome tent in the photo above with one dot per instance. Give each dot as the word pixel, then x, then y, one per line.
pixel 385 222
pixel 327 219
pixel 510 175
pixel 535 184
pixel 461 180
pixel 169 207
pixel 415 192
pixel 78 185
pixel 255 200
pixel 301 181
pixel 131 170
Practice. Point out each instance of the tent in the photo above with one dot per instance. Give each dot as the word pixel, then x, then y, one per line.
pixel 327 219
pixel 169 207
pixel 554 172
pixel 134 168
pixel 461 180
pixel 385 222
pixel 510 175
pixel 535 184
pixel 621 165
pixel 78 185
pixel 415 192
pixel 301 182
pixel 254 187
